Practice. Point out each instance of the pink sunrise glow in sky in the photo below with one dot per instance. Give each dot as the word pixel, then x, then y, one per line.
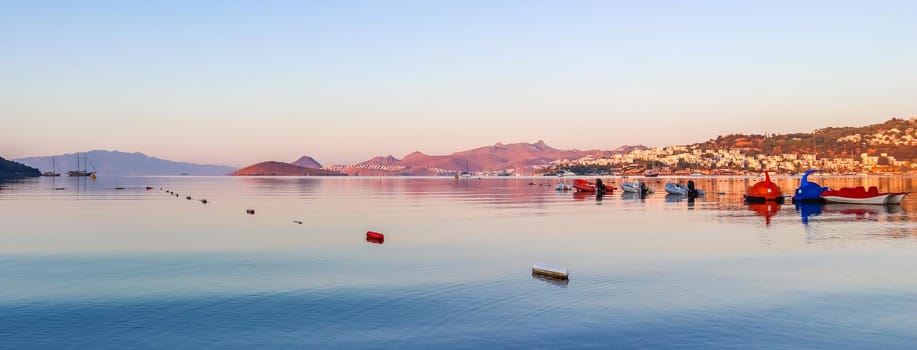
pixel 235 83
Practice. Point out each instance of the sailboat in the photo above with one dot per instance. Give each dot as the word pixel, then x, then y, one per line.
pixel 53 171
pixel 80 171
pixel 650 172
pixel 465 173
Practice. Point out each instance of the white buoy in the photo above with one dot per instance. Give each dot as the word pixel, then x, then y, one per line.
pixel 550 270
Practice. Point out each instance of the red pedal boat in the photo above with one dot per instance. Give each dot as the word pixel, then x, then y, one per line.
pixel 764 191
pixel 859 195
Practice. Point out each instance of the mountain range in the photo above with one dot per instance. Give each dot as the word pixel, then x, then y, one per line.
pixel 512 158
pixel 123 164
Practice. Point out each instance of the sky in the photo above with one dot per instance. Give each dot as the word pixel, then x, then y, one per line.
pixel 239 82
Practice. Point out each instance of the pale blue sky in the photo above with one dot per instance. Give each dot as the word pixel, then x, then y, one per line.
pixel 239 82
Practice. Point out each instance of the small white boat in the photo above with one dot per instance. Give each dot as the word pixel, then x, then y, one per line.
pixel 674 188
pixel 631 187
pixel 563 187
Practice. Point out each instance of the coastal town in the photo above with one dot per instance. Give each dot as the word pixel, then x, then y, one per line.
pixel 860 155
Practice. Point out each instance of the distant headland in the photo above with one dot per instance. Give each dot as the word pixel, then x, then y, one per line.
pixel 10 169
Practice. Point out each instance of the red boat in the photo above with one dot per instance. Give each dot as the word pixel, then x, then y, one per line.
pixel 764 191
pixel 859 195
pixel 586 186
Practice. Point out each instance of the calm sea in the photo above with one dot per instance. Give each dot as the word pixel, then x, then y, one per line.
pixel 84 264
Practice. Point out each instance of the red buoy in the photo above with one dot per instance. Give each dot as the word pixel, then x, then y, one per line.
pixel 374 237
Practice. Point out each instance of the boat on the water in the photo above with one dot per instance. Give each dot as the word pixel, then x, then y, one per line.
pixel 587 186
pixel 764 191
pixel 860 195
pixel 53 171
pixel 82 167
pixel 675 188
pixel 683 190
pixel 631 187
pixel 809 192
pixel 563 186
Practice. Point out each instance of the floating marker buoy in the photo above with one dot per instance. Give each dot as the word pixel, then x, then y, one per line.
pixel 374 235
pixel 148 188
pixel 204 201
pixel 250 211
pixel 58 188
pixel 176 195
pixel 298 222
pixel 119 188
pixel 550 271
pixel 188 198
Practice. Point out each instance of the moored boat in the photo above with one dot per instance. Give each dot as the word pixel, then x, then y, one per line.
pixel 674 188
pixel 764 191
pixel 631 187
pixel 586 186
pixel 858 195
pixel 809 192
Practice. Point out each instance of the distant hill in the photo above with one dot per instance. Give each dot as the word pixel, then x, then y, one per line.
pixel 307 162
pixel 125 164
pixel 272 168
pixel 14 169
pixel 515 157
pixel 897 137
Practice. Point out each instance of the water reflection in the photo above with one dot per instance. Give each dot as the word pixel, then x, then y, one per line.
pixel 451 272
pixel 560 282
pixel 674 198
pixel 806 210
pixel 767 210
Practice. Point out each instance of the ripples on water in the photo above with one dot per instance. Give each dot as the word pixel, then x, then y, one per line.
pixel 92 266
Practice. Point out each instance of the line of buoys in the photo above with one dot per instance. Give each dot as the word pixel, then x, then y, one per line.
pixel 550 271
pixel 250 211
